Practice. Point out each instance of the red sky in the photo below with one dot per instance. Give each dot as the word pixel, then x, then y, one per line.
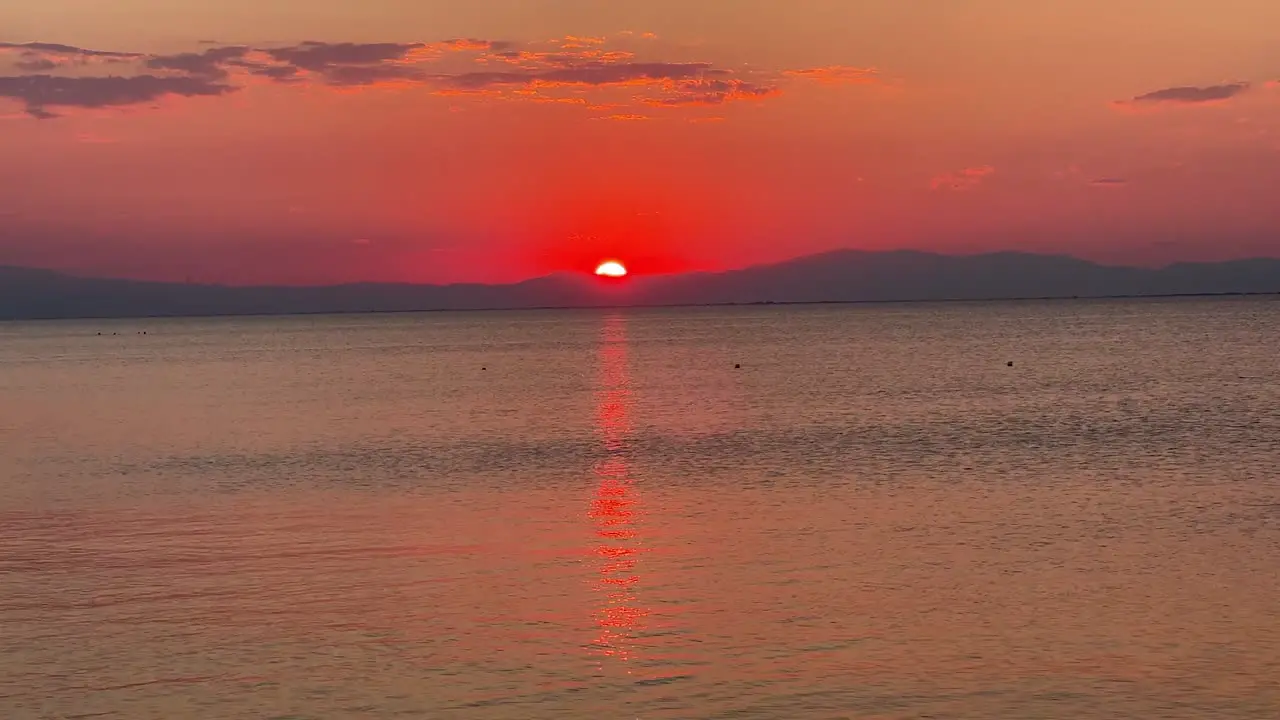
pixel 251 141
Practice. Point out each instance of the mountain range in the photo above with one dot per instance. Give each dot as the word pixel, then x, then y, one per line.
pixel 840 276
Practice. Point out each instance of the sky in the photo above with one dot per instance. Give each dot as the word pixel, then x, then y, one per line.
pixel 326 141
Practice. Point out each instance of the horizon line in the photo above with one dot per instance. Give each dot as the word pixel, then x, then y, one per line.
pixel 654 306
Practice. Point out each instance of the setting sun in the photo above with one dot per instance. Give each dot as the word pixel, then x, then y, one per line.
pixel 611 269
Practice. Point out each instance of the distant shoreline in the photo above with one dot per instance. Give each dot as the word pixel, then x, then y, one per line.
pixel 849 277
pixel 650 306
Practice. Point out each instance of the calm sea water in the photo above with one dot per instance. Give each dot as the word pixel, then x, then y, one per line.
pixel 597 515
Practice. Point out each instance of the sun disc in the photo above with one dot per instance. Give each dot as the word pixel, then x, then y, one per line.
pixel 611 269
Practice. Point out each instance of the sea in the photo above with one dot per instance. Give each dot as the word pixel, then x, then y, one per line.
pixel 1040 509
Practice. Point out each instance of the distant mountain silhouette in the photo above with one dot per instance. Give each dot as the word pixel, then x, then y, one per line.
pixel 841 276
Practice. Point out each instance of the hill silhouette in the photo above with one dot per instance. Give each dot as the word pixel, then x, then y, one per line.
pixel 840 276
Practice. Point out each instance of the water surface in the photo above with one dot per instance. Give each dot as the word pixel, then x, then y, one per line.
pixel 597 515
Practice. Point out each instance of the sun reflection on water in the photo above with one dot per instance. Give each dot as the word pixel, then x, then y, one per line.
pixel 615 509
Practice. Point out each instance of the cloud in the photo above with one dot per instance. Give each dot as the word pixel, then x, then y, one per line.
pixel 354 64
pixel 1108 182
pixel 208 64
pixel 623 73
pixel 482 80
pixel 531 60
pixel 278 73
pixel 57 49
pixel 575 100
pixel 966 179
pixel 836 74
pixel 593 74
pixel 41 92
pixel 323 55
pixel 37 64
pixel 714 92
pixel 319 56
pixel 476 67
pixel 1190 95
pixel 684 84
pixel 569 42
pixel 472 44
pixel 624 117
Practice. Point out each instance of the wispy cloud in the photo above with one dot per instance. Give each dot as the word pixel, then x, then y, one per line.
pixel 593 74
pixel 675 84
pixel 836 74
pixel 714 92
pixel 570 42
pixel 534 59
pixel 965 179
pixel 1189 95
pixel 474 44
pixel 1108 182
pixel 42 48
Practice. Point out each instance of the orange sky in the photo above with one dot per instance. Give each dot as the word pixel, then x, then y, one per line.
pixel 449 140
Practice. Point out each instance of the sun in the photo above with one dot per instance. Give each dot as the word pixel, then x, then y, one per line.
pixel 611 269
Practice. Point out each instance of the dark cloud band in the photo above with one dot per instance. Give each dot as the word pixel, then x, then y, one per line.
pixel 41 92
pixel 1193 95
